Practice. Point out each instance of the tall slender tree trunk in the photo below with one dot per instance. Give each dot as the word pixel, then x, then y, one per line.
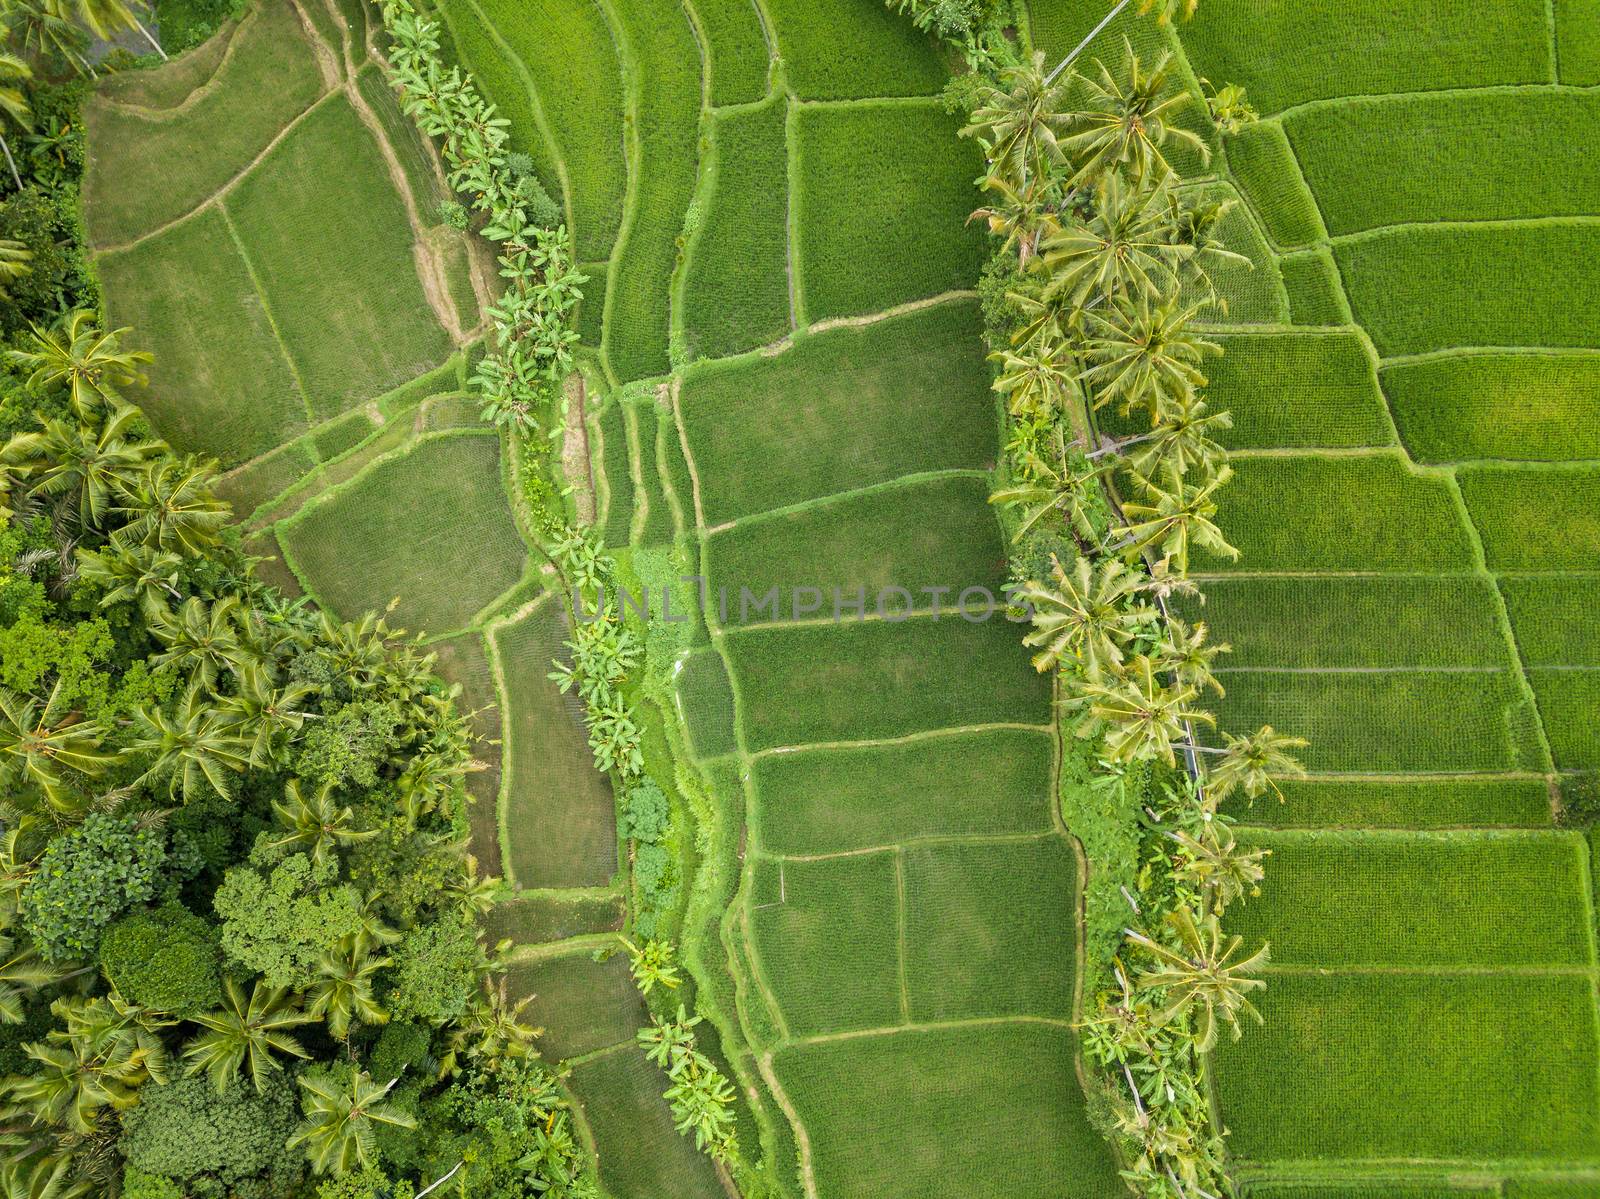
pixel 149 38
pixel 11 162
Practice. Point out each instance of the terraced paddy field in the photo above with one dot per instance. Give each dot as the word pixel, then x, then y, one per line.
pixel 1415 500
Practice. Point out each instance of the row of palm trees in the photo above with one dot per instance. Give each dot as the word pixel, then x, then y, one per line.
pixel 1114 268
pixel 522 377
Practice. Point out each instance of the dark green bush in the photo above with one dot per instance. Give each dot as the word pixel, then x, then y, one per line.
pixel 644 813
pixel 402 1048
pixel 1580 799
pixel 435 971
pixel 187 23
pixel 350 745
pixel 88 878
pixel 186 1131
pixel 165 958
pixel 44 222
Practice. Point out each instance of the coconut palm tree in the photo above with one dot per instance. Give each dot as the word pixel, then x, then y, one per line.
pixel 338 1130
pixel 245 1032
pixel 14 262
pixel 1127 122
pixel 19 850
pixel 1020 122
pixel 1054 489
pixel 1165 10
pixel 201 639
pixel 342 992
pixel 1020 217
pixel 1090 615
pixel 39 29
pixel 134 573
pixel 105 18
pixel 1200 974
pixel 171 506
pixel 42 745
pixel 1175 516
pixel 14 108
pixel 1180 442
pixel 21 971
pixel 266 714
pixel 1250 763
pixel 1219 865
pixel 492 1029
pixel 317 823
pixel 196 742
pixel 89 361
pixel 70 459
pixel 39 1174
pixel 1040 379
pixel 1123 247
pixel 1144 353
pixel 1141 715
pixel 1182 649
pixel 105 1049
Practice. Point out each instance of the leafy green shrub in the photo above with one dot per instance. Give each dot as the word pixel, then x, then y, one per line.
pixel 86 879
pixel 435 971
pixel 165 958
pixel 402 1047
pixel 280 924
pixel 453 213
pixel 45 224
pixel 644 813
pixel 1580 799
pixel 136 1184
pixel 186 23
pixel 185 1130
pixel 350 745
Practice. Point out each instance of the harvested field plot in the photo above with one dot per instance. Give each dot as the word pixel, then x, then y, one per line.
pixel 894 1116
pixel 827 936
pixel 1287 56
pixel 331 249
pixel 582 1005
pixel 913 391
pixel 1368 513
pixel 641 1155
pixel 1369 899
pixel 836 800
pixel 1528 407
pixel 1467 1067
pixel 187 293
pixel 883 198
pixel 881 678
pixel 430 527
pixel 983 929
pixel 736 288
pixel 910 535
pixel 144 171
pixel 559 816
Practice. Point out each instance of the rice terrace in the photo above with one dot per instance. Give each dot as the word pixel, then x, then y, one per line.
pixel 799 599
